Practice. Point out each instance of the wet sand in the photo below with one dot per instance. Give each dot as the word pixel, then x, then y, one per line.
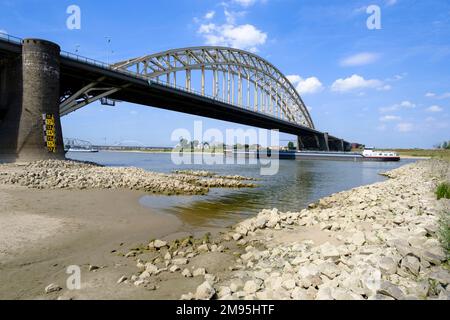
pixel 44 231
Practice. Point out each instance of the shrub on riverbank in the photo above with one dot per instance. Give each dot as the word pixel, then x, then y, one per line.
pixel 445 232
pixel 443 191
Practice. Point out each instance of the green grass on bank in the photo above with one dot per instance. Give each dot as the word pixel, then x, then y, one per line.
pixel 443 191
pixel 444 232
pixel 443 154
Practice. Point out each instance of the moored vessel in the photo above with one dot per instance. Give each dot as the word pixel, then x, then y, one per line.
pixel 380 155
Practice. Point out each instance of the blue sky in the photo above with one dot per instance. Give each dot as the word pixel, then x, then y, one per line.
pixel 387 87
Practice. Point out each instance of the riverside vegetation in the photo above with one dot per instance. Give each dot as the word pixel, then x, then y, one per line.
pixel 381 241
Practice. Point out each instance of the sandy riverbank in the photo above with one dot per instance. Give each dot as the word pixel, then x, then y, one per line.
pixel 44 231
pixel 376 242
pixel 54 214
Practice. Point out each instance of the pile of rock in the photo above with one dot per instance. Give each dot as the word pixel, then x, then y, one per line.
pixel 199 173
pixel 56 174
pixel 174 257
pixel 383 244
pixel 209 174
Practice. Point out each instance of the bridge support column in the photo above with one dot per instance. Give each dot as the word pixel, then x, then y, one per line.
pixel 323 142
pixel 38 92
pixel 300 145
pixel 10 106
pixel 341 145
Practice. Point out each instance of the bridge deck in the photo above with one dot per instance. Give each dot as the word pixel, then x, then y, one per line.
pixel 77 73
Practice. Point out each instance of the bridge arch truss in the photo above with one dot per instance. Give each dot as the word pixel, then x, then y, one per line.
pixel 230 75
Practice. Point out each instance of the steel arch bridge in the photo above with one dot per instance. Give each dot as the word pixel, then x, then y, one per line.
pixel 216 82
pixel 236 77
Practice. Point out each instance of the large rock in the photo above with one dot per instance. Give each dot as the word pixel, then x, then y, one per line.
pixel 324 293
pixel 289 284
pixel 204 291
pixel 391 290
pixel 300 294
pixel 203 248
pixel 431 257
pixel 158 244
pixel 236 285
pixel 344 294
pixel 199 272
pixel 358 238
pixel 330 270
pixel 411 264
pixel 186 273
pixel 180 261
pixel 53 288
pixel 387 265
pixel 151 268
pixel 328 250
pixel 442 276
pixel 252 286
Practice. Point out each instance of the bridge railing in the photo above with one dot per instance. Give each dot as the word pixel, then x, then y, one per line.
pixel 98 63
pixel 106 66
pixel 9 38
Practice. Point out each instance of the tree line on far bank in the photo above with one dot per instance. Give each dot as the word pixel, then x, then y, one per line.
pixel 444 145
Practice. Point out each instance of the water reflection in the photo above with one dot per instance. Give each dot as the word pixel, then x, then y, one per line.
pixel 296 184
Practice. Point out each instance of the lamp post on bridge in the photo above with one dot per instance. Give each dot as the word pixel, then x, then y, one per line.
pixel 108 43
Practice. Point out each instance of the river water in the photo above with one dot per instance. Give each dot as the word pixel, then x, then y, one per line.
pixel 297 184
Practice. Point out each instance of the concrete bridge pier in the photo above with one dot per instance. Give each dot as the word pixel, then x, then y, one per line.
pixel 336 144
pixel 341 145
pixel 300 144
pixel 323 142
pixel 10 106
pixel 31 127
pixel 313 142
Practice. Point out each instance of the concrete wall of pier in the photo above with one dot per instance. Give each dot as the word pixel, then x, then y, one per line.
pixel 29 89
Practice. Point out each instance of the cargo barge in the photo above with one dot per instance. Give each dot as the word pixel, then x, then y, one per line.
pixel 367 155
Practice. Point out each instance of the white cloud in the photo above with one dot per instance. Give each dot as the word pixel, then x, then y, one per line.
pixel 359 59
pixel 391 2
pixel 294 79
pixel 388 118
pixel 306 86
pixel 402 105
pixel 407 104
pixel 232 16
pixel 445 95
pixel 209 15
pixel 357 82
pixel 405 127
pixel 245 3
pixel 386 87
pixel 309 85
pixel 434 108
pixel 3 31
pixel 246 36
